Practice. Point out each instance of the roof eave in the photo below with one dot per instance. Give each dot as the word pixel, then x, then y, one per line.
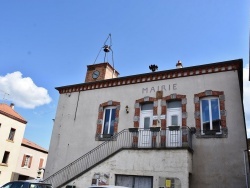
pixel 13 117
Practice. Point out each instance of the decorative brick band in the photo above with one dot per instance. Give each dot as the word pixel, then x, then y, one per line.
pixel 149 77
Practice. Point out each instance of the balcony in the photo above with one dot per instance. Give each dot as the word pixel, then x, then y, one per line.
pixel 172 137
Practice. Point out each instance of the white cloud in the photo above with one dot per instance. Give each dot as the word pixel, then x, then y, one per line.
pixel 246 88
pixel 22 91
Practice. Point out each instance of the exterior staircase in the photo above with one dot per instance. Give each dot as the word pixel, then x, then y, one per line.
pixel 126 139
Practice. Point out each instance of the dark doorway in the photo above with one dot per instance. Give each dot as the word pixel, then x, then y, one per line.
pixel 22 177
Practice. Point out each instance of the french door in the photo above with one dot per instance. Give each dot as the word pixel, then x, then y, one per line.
pixel 174 123
pixel 145 135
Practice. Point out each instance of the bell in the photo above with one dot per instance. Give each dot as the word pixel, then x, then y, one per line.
pixel 106 48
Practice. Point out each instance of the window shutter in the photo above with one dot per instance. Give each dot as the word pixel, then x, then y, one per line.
pixel 24 157
pixel 41 163
pixel 30 161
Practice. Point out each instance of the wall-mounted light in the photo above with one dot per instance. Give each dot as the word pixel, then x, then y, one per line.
pixel 127 109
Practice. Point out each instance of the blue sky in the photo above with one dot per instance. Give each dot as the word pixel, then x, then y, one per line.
pixel 46 44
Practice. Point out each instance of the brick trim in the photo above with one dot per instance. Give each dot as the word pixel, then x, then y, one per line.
pixel 138 111
pixel 197 115
pixel 174 97
pixel 155 76
pixel 101 116
pixel 138 102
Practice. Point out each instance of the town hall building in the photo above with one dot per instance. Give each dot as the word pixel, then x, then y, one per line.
pixel 183 127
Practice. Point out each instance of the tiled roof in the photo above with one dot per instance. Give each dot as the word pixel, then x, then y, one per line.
pixel 32 145
pixel 11 113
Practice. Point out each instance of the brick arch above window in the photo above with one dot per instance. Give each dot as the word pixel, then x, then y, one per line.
pixel 138 102
pixel 221 97
pixel 101 118
pixel 174 97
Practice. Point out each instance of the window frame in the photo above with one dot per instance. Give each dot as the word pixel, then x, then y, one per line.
pixel 99 128
pixel 223 113
pixel 111 108
pixel 12 134
pixel 147 109
pixel 5 158
pixel 27 161
pixel 211 130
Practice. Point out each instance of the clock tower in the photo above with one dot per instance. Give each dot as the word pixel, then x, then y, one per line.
pixel 101 71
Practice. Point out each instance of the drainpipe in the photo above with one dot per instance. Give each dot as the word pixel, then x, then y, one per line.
pixel 245 152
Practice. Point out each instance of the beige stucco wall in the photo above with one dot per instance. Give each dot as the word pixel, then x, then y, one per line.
pixel 166 163
pixel 36 156
pixel 12 147
pixel 75 125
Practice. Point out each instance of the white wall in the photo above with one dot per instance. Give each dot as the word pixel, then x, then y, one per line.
pixel 36 155
pixel 165 163
pixel 12 147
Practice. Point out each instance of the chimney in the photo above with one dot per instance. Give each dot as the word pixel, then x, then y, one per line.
pixel 12 105
pixel 179 64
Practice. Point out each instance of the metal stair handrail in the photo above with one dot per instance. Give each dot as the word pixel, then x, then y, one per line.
pixel 121 140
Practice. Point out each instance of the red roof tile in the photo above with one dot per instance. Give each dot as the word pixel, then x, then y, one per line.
pixel 11 113
pixel 33 145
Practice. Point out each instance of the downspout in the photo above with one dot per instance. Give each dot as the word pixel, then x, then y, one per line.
pixel 77 105
pixel 245 152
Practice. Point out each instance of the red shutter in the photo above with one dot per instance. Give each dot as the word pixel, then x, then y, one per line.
pixel 41 163
pixel 24 157
pixel 30 161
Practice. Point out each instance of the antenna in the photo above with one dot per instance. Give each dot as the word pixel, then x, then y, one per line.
pixel 4 94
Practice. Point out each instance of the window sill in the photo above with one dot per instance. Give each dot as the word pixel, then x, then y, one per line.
pixel 212 134
pixel 25 167
pixel 105 137
pixel 10 141
pixel 3 164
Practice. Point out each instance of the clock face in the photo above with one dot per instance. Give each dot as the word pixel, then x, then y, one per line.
pixel 95 74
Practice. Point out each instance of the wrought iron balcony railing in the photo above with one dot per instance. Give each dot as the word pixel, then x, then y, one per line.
pixel 133 138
